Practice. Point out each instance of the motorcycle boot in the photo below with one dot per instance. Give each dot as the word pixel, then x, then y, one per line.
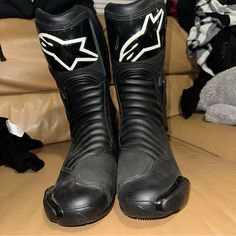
pixel 75 48
pixel 149 182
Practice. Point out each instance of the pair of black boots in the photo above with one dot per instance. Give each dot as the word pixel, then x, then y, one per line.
pixel 147 179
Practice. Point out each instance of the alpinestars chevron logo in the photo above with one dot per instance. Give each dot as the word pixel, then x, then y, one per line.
pixel 128 52
pixel 45 45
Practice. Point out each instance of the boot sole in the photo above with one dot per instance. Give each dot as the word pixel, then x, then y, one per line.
pixel 171 202
pixel 71 217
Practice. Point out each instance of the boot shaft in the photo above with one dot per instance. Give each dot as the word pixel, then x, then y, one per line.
pixel 138 36
pixel 72 40
pixel 137 46
pixel 75 48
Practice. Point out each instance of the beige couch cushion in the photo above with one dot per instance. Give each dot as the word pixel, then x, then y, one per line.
pixel 210 211
pixel 26 69
pixel 41 115
pixel 177 60
pixel 219 140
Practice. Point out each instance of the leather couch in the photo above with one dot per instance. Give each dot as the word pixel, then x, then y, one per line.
pixel 205 152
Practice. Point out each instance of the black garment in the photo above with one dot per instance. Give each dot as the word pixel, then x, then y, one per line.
pixel 186 15
pixel 191 96
pixel 223 55
pixel 26 8
pixel 14 150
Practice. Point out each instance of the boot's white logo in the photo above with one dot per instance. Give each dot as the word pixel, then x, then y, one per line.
pixel 45 45
pixel 129 52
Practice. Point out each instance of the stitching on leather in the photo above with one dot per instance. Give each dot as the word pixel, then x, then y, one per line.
pixel 146 171
pixel 136 180
pixel 78 179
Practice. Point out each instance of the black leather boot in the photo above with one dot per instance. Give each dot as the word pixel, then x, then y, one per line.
pixel 149 182
pixel 75 49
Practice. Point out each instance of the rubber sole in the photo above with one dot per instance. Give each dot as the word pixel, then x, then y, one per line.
pixel 72 217
pixel 171 202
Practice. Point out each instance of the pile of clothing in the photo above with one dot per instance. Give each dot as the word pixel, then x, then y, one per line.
pixel 15 147
pixel 212 42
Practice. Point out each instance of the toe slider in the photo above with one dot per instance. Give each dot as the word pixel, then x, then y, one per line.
pixel 176 198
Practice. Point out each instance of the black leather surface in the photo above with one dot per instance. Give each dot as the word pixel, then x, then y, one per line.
pixel 75 48
pixel 147 170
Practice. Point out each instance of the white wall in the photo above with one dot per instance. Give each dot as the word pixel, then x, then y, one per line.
pixel 100 4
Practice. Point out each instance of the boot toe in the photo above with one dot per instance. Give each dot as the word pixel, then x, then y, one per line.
pixel 145 202
pixel 83 206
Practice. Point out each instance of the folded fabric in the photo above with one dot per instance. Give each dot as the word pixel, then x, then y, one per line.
pixel 218 98
pixel 14 148
pixel 221 89
pixel 26 8
pixel 221 114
